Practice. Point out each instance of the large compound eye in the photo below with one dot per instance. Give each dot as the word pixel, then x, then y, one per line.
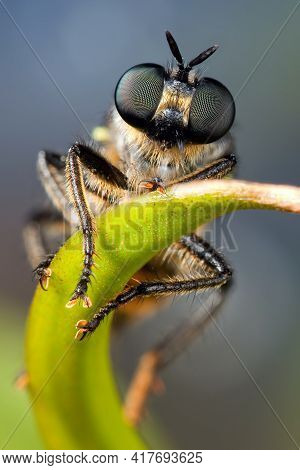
pixel 212 111
pixel 139 92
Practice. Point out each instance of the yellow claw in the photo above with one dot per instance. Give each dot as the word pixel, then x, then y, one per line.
pixel 44 281
pixel 80 334
pixel 71 303
pixel 87 303
pixel 81 324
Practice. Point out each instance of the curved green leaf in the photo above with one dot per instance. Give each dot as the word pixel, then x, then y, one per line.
pixel 71 383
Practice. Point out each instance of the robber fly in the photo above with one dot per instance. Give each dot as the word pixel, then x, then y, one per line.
pixel 167 126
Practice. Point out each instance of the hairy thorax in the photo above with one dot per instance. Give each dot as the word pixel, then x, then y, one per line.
pixel 141 157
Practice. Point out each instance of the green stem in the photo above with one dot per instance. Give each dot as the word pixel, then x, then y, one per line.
pixel 71 383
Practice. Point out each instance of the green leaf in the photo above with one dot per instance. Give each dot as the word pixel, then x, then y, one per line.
pixel 71 383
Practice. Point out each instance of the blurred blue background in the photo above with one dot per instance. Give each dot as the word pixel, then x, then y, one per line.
pixel 211 401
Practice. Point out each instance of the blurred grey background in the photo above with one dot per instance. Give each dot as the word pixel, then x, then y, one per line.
pixel 211 399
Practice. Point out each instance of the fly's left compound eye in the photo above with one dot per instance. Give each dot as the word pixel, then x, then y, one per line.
pixel 212 111
pixel 139 92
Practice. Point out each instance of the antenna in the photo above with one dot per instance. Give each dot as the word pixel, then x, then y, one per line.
pixel 175 49
pixel 184 70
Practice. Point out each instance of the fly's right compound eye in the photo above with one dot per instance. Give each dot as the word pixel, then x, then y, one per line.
pixel 139 92
pixel 212 111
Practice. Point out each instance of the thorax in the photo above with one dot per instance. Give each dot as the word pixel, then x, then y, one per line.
pixel 140 158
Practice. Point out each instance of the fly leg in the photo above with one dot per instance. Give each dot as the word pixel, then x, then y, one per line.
pixel 215 170
pixel 37 233
pixel 216 275
pixel 82 160
pixel 192 246
pixel 146 378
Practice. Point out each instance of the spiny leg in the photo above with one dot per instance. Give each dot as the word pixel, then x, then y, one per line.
pixel 146 378
pixel 194 247
pixel 51 172
pixel 43 271
pixel 110 181
pixel 51 168
pixel 36 239
pixel 215 170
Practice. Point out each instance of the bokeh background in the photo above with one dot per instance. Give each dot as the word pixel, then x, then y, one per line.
pixel 211 400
